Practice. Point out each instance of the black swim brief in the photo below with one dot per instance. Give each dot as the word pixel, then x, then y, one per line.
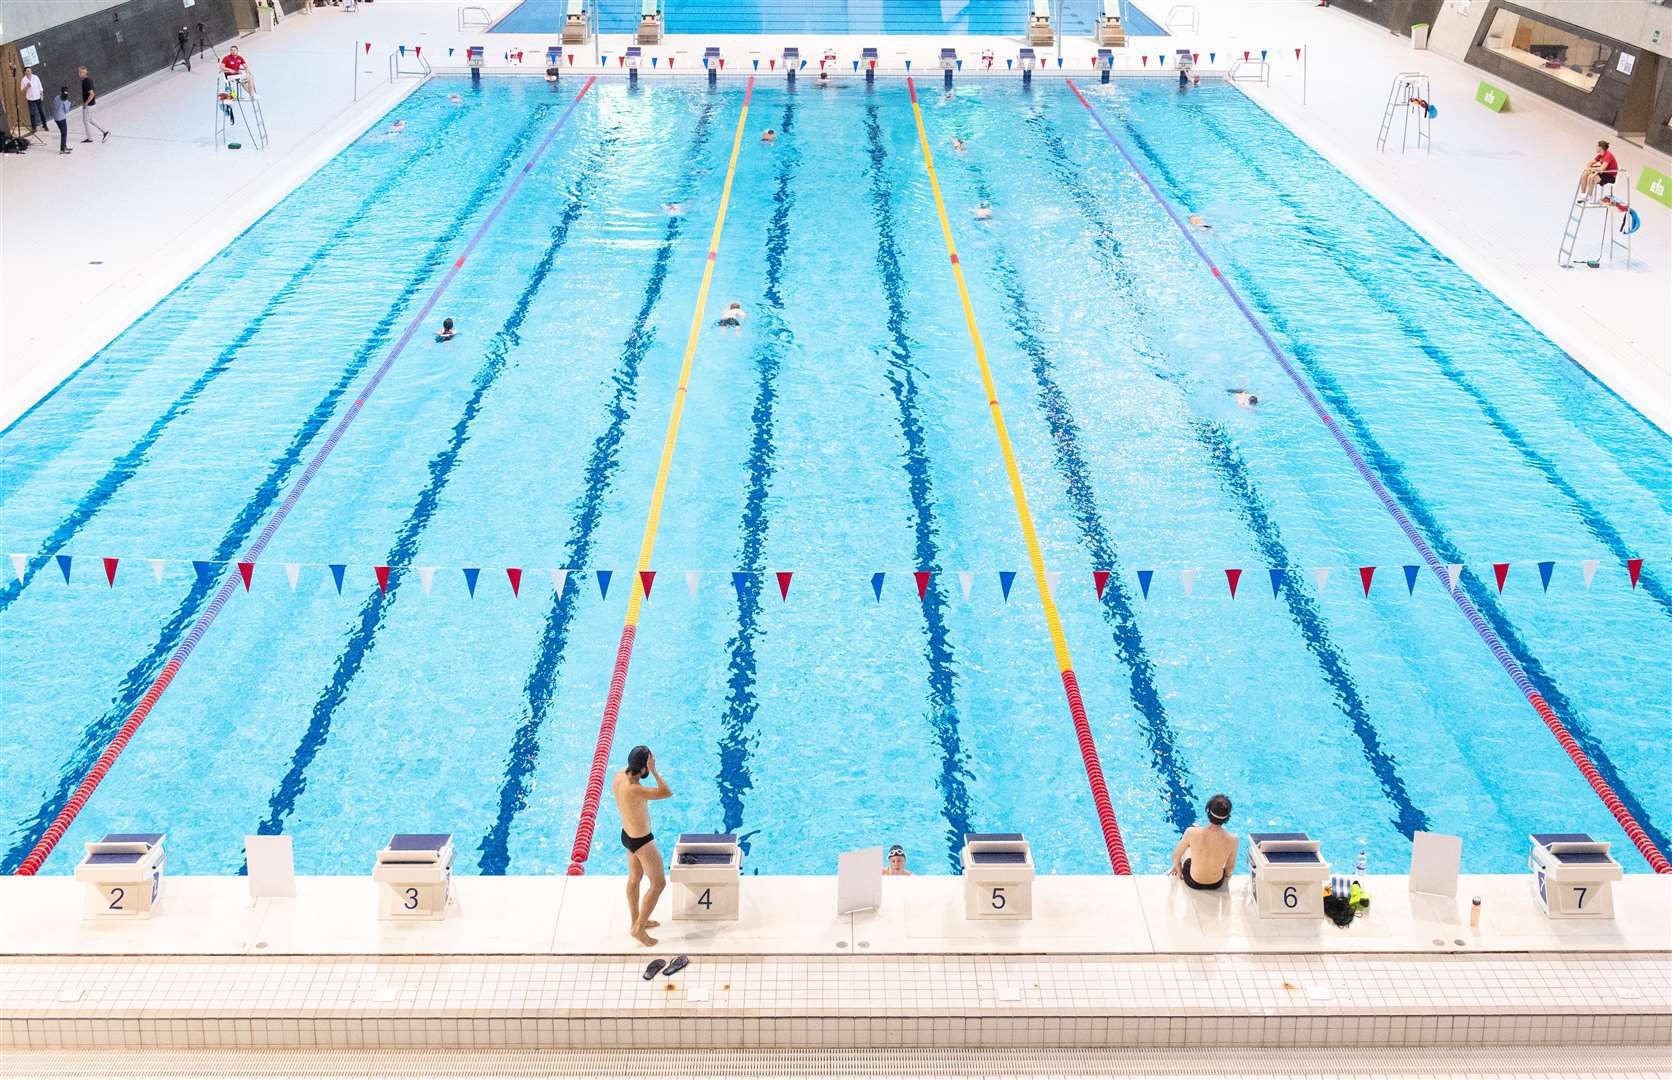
pixel 1184 872
pixel 633 843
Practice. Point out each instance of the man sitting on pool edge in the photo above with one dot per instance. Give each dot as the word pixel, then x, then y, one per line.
pixel 1210 849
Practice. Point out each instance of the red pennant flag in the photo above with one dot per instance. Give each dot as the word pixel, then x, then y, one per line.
pixel 1634 567
pixel 417 50
pixel 771 65
pixel 1145 59
pixel 1365 573
pixel 368 46
pixel 784 583
pixel 110 572
pixel 514 573
pixel 1297 54
pixel 922 577
pixel 1231 578
pixel 1195 57
pixel 571 59
pixel 1101 579
pixel 382 573
pixel 1501 571
pixel 646 579
pixel 245 569
pixel 621 61
pixel 722 63
pixel 1245 54
pixel 670 61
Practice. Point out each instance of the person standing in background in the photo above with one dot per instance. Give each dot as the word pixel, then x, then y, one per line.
pixel 31 87
pixel 89 96
pixel 61 117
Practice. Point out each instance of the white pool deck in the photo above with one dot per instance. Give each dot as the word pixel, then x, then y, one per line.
pixel 90 241
pixel 557 915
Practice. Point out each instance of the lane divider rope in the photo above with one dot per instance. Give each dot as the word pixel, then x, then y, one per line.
pixel 1059 643
pixel 1586 767
pixel 629 629
pixel 67 815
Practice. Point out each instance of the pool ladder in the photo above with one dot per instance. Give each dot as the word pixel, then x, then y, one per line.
pixel 1614 236
pixel 1408 87
pixel 236 104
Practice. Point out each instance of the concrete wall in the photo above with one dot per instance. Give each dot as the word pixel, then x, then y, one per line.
pixel 1660 135
pixel 23 18
pixel 1395 16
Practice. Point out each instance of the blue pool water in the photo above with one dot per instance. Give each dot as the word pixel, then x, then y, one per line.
pixel 1006 17
pixel 843 432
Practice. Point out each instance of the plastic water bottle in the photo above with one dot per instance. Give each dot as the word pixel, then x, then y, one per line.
pixel 1363 861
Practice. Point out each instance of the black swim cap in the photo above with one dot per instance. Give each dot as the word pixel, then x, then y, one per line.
pixel 1219 809
pixel 638 760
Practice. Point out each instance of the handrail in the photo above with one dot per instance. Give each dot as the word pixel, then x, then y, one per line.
pixel 396 71
pixel 472 16
pixel 1262 71
pixel 1182 17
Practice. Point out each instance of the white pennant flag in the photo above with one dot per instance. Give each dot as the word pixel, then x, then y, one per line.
pixel 291 572
pixel 1322 576
pixel 1051 578
pixel 559 579
pixel 1452 572
pixel 1189 577
pixel 19 564
pixel 966 578
pixel 156 569
pixel 426 578
pixel 691 579
pixel 1590 567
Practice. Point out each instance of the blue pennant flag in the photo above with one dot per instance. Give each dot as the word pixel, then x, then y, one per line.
pixel 64 565
pixel 959 64
pixel 1008 62
pixel 856 65
pixel 1262 54
pixel 1211 55
pixel 1059 61
pixel 471 573
pixel 205 571
pixel 803 65
pixel 604 584
pixel 450 51
pixel 876 584
pixel 739 579
pixel 1411 573
pixel 337 569
pixel 1277 575
pixel 908 65
pixel 1007 578
pixel 1144 578
pixel 653 60
pixel 1544 569
pixel 757 62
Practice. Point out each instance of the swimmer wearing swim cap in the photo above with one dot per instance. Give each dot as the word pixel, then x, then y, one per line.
pixel 1209 849
pixel 446 331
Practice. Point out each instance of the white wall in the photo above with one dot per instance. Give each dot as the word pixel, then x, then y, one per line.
pixel 25 18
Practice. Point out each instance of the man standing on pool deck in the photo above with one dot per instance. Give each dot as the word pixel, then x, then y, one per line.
pixel 88 97
pixel 632 800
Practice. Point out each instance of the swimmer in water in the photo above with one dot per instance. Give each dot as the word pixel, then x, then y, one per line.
pixel 896 863
pixel 769 136
pixel 1196 220
pixel 398 127
pixel 957 144
pixel 674 209
pixel 732 316
pixel 454 99
pixel 446 331
pixel 984 212
pixel 1244 398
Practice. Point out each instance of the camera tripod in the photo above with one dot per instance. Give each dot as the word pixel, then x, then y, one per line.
pixel 183 47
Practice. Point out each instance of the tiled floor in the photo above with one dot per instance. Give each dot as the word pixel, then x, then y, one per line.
pixel 1502 1062
pixel 853 1002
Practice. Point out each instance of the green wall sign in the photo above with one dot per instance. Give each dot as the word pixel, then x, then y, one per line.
pixel 1656 185
pixel 1492 97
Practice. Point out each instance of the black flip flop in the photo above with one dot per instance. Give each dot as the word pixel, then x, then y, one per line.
pixel 653 969
pixel 676 965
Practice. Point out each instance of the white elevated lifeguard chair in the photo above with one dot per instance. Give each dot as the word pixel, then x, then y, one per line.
pixel 1040 31
pixel 1109 30
pixel 575 23
pixel 650 23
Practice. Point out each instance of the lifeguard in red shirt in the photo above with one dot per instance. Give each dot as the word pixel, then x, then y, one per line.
pixel 236 68
pixel 1603 169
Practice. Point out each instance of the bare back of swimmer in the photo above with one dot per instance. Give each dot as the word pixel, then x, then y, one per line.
pixel 632 800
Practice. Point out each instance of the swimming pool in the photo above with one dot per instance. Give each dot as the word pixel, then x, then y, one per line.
pixel 1006 17
pixel 843 433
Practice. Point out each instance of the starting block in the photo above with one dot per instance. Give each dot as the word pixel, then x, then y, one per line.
pixel 1573 876
pixel 416 872
pixel 705 873
pixel 998 876
pixel 123 874
pixel 1288 875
